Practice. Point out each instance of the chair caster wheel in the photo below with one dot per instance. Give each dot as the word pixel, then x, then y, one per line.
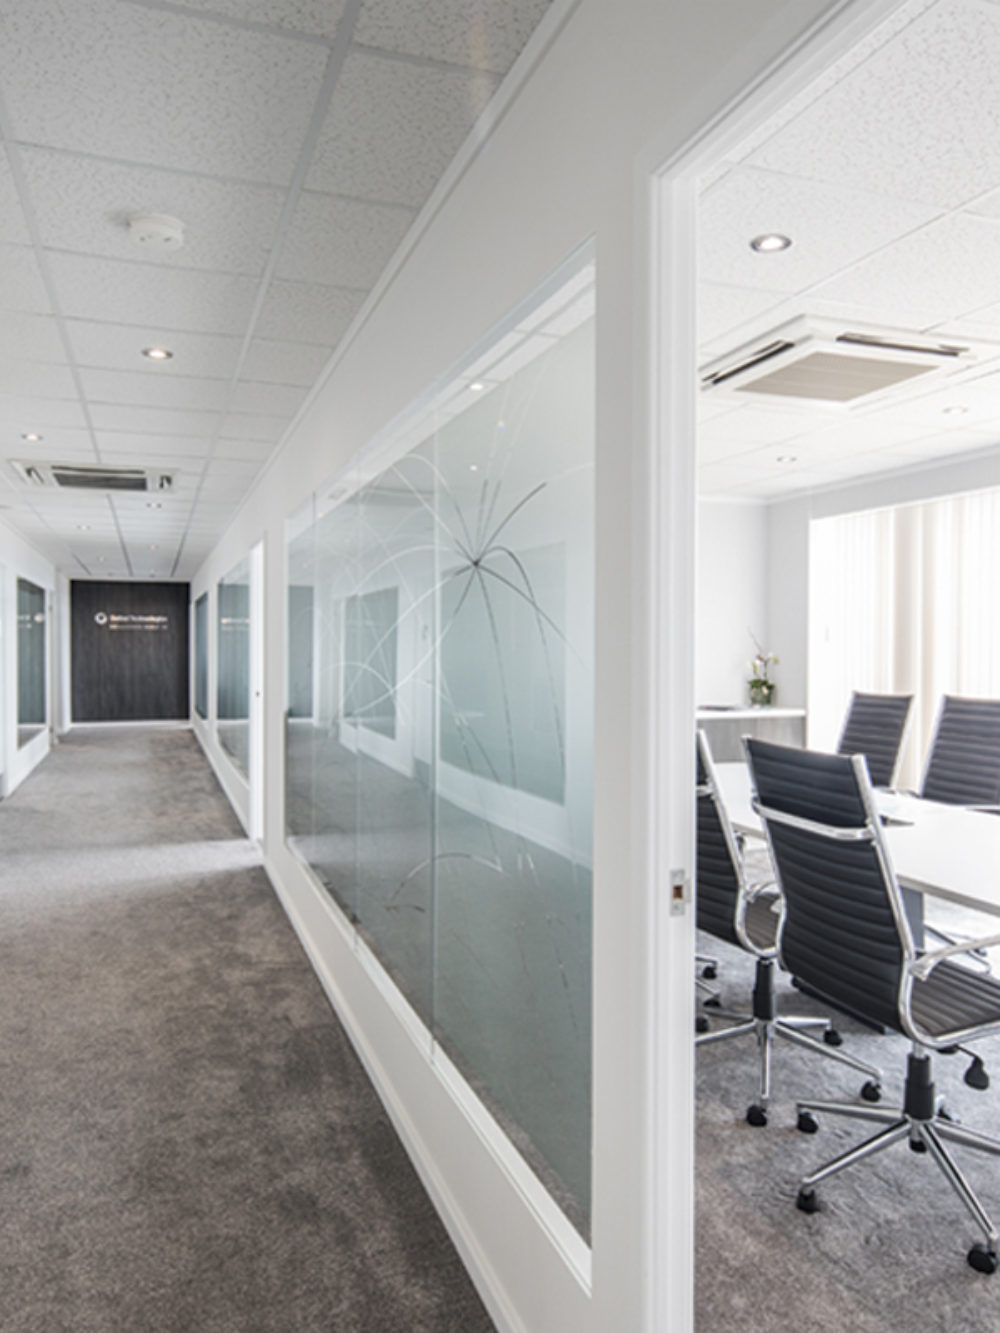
pixel 701 1023
pixel 832 1037
pixel 756 1115
pixel 709 971
pixel 806 1202
pixel 807 1123
pixel 982 1259
pixel 871 1092
pixel 976 1075
pixel 917 1145
pixel 713 1002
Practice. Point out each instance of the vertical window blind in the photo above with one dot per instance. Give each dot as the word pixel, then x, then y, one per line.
pixel 904 600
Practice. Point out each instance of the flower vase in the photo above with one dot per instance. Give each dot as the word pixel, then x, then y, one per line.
pixel 762 694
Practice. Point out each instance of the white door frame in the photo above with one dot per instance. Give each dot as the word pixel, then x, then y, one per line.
pixel 666 497
pixel 255 755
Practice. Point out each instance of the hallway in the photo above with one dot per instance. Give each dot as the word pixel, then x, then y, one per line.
pixel 188 1143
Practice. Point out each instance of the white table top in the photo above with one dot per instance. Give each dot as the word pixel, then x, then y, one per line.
pixel 942 850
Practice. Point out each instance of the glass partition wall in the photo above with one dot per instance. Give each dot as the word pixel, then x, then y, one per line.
pixel 440 717
pixel 201 656
pixel 32 715
pixel 233 665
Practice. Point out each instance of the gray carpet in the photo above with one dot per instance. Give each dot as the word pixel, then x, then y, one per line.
pixel 188 1143
pixel 887 1254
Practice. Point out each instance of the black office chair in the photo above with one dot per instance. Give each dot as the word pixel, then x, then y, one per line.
pixel 963 766
pixel 846 933
pixel 874 727
pixel 747 915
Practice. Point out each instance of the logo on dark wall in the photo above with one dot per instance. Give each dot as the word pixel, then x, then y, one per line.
pixel 101 618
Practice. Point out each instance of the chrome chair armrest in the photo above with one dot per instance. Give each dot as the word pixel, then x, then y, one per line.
pixel 922 967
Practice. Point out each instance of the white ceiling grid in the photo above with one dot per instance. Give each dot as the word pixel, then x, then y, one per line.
pixel 297 140
pixel 886 174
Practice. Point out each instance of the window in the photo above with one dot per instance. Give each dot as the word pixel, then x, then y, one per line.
pixel 905 600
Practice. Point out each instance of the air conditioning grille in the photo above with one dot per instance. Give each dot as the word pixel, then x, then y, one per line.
pixel 101 478
pixel 832 377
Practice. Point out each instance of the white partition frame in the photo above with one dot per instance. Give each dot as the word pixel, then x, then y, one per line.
pixel 664 684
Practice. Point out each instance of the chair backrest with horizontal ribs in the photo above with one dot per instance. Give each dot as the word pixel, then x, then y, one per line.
pixel 874 727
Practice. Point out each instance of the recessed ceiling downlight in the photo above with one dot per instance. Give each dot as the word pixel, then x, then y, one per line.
pixel 770 242
pixel 787 458
pixel 32 437
pixel 157 353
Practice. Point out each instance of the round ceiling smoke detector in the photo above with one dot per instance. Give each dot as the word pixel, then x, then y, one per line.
pixel 156 231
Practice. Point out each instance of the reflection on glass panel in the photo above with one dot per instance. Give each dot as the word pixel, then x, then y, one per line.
pixel 31 713
pixel 321 754
pixel 201 655
pixel 439 756
pixel 233 666
pixel 394 735
pixel 512 984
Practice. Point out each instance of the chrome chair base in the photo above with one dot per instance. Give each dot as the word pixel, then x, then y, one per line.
pixel 927 1128
pixel 765 1025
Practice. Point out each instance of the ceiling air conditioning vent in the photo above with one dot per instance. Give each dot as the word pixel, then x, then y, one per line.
pixel 100 478
pixel 71 476
pixel 819 361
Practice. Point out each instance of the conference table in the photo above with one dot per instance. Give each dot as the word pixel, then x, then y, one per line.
pixel 943 851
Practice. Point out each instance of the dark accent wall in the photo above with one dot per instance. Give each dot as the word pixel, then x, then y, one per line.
pixel 129 651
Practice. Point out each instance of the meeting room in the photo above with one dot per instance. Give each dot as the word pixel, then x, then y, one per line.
pixel 847 678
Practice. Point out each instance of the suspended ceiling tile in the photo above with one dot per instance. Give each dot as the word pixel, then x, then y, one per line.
pixel 13 230
pixel 21 284
pixel 18 413
pixel 308 312
pixel 258 451
pixel 119 347
pixel 42 379
pixel 34 337
pixel 393 127
pixel 830 228
pixel 84 205
pixel 238 427
pixel 341 242
pixel 244 468
pixel 150 86
pixel 284 362
pixel 756 425
pixel 153 420
pixel 945 444
pixel 951 267
pixel 720 478
pixel 314 17
pixel 883 127
pixel 148 388
pixel 136 294
pixel 251 398
pixel 723 311
pixel 135 444
pixel 487 35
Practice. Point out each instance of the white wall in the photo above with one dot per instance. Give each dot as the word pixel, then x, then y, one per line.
pixel 788 545
pixel 560 169
pixel 20 560
pixel 731 600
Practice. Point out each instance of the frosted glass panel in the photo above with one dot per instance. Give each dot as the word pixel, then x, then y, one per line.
pixel 390 653
pixel 233 694
pixel 201 655
pixel 512 982
pixel 31 713
pixel 439 722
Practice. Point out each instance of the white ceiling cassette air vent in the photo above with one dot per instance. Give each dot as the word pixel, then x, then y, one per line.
pixel 61 476
pixel 822 362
